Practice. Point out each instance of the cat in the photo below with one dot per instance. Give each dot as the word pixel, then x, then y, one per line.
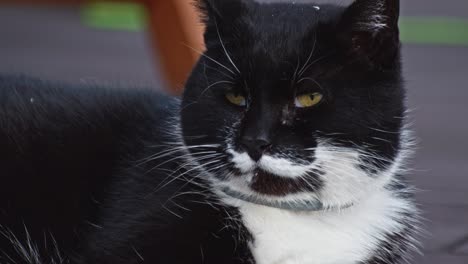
pixel 289 146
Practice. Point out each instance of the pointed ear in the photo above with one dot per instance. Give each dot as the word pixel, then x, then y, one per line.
pixel 220 11
pixel 370 28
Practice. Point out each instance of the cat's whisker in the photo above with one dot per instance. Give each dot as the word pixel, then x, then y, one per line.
pixel 180 206
pixel 382 139
pixel 211 59
pixel 178 194
pixel 170 211
pixel 224 48
pixel 160 155
pixel 170 151
pixel 202 146
pixel 182 157
pixel 310 79
pixel 331 134
pixel 184 173
pixel 187 104
pixel 295 74
pixel 384 131
pixel 193 160
pixel 191 181
pixel 313 63
pixel 373 156
pixel 187 181
pixel 205 190
pixel 310 55
pixel 214 84
pixel 311 181
pixel 218 168
pixel 190 162
pixel 195 137
pixel 155 157
pixel 230 76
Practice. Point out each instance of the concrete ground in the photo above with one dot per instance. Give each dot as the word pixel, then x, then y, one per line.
pixel 52 43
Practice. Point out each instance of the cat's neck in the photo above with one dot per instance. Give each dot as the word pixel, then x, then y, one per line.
pixel 348 236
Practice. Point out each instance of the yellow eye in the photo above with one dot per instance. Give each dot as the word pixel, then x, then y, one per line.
pixel 308 100
pixel 236 99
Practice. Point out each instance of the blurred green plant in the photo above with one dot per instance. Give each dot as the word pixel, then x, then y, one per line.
pixel 434 30
pixel 115 15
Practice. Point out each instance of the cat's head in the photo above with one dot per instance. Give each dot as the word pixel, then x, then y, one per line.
pixel 297 103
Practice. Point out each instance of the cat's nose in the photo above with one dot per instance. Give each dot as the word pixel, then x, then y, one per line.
pixel 255 147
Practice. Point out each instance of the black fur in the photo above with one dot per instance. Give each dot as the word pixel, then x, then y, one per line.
pixel 69 174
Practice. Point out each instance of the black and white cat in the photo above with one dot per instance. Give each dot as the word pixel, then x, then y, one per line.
pixel 288 147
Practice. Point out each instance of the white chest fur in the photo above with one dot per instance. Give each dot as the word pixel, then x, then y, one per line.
pixel 349 236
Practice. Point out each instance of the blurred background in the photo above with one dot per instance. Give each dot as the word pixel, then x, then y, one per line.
pixel 145 43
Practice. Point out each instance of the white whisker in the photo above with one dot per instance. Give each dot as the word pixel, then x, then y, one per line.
pixel 211 59
pixel 214 84
pixel 310 56
pixel 225 50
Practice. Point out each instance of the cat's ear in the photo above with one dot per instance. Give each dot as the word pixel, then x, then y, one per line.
pixel 370 30
pixel 220 11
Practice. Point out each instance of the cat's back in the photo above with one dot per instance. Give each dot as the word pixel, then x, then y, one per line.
pixel 33 103
pixel 46 126
pixel 61 146
pixel 51 113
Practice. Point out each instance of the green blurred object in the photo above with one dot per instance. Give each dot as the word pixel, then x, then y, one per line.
pixel 434 30
pixel 115 15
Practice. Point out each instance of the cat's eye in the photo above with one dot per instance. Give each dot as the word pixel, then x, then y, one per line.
pixel 236 99
pixel 308 100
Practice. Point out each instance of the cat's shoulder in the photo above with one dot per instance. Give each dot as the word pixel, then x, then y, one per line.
pixel 27 94
pixel 31 104
pixel 16 86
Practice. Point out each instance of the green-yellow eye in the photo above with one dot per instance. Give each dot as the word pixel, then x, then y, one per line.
pixel 308 100
pixel 236 99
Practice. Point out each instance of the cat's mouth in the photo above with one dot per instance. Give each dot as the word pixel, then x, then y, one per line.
pixel 273 176
pixel 303 205
pixel 267 183
pixel 273 181
pixel 268 189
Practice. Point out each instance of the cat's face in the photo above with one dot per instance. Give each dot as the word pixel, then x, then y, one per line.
pixel 297 102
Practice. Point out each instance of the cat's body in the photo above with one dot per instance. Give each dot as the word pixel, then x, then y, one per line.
pixel 251 167
pixel 83 177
